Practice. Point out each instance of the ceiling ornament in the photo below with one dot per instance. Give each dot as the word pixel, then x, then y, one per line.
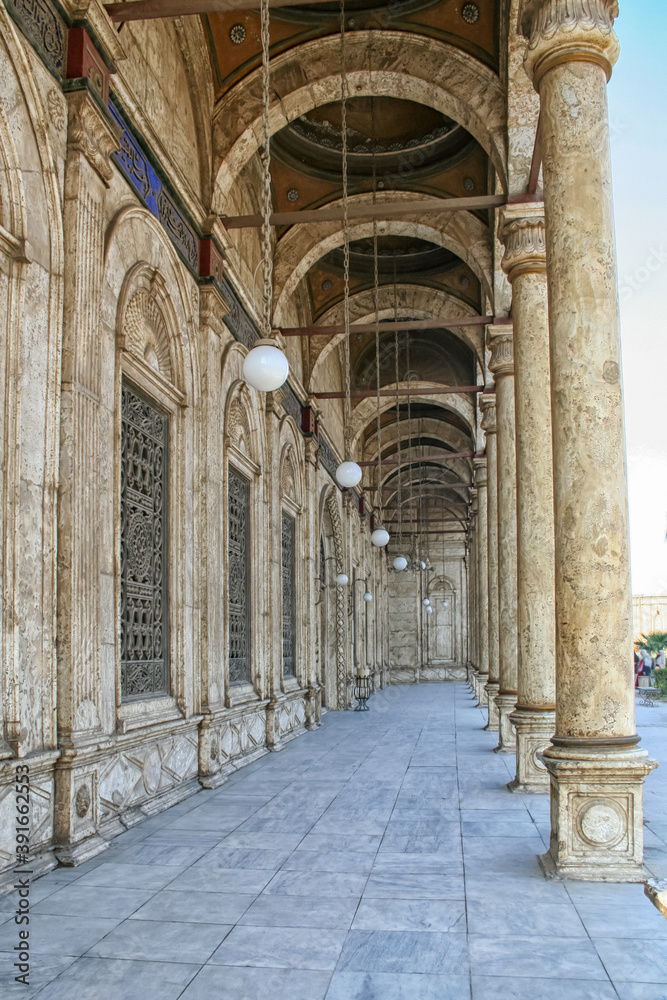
pixel 237 34
pixel 470 13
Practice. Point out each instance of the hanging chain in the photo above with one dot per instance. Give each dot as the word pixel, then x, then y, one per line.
pixel 407 377
pixel 267 292
pixel 398 412
pixel 376 303
pixel 346 238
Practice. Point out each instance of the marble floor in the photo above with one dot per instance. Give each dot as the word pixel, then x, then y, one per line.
pixel 379 858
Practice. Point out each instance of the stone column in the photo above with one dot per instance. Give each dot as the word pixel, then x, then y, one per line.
pixel 473 566
pixel 311 513
pixel 483 578
pixel 596 768
pixel 86 622
pixel 273 568
pixel 525 263
pixel 488 405
pixel 502 366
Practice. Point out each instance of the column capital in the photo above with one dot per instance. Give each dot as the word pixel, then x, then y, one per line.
pixel 479 467
pixel 501 342
pixel 523 233
pixel 212 310
pixel 91 132
pixel 488 406
pixel 563 31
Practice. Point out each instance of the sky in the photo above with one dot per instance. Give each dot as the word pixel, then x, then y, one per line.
pixel 638 120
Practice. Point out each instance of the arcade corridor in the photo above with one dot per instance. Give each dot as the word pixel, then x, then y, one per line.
pixel 378 858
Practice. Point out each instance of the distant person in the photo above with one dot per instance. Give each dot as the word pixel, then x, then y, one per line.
pixel 660 660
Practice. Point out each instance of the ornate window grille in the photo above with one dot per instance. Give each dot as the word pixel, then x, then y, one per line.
pixel 144 623
pixel 289 596
pixel 239 579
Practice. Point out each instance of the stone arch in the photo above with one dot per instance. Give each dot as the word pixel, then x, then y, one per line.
pixel 461 232
pixel 414 302
pixel 147 326
pixel 420 69
pixel 292 458
pixel 365 410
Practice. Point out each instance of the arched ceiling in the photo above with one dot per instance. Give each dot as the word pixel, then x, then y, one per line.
pixel 409 138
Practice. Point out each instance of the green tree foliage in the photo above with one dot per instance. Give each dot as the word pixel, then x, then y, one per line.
pixel 653 642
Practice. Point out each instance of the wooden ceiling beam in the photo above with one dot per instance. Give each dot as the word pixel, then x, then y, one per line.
pixel 414 391
pixel 151 10
pixel 385 210
pixel 388 325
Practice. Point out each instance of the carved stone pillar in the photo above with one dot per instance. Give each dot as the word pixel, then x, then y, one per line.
pixel 525 263
pixel 314 693
pixel 85 570
pixel 483 578
pixel 273 553
pixel 472 578
pixel 488 405
pixel 213 335
pixel 597 770
pixel 502 366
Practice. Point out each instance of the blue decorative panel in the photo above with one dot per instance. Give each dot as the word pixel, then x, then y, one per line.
pixel 138 170
pixel 327 457
pixel 291 404
pixel 44 27
pixel 237 318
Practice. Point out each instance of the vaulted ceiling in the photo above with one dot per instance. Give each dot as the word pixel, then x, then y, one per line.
pixel 397 146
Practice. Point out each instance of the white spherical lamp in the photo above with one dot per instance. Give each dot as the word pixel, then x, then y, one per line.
pixel 422 565
pixel 444 604
pixel 265 367
pixel 400 563
pixel 368 596
pixel 380 538
pixel 348 474
pixel 426 602
pixel 342 580
pixel 429 611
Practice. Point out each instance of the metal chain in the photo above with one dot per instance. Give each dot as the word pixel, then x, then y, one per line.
pixel 267 259
pixel 346 238
pixel 398 412
pixel 376 303
pixel 407 377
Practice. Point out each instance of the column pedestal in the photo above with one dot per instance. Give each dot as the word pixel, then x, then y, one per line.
pixel 596 813
pixel 534 730
pixel 505 705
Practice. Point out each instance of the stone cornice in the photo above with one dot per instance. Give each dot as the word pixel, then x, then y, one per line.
pixel 90 132
pixel 501 342
pixel 523 233
pixel 488 407
pixel 562 31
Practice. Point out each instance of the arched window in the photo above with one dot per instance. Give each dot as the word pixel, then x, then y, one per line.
pixel 240 666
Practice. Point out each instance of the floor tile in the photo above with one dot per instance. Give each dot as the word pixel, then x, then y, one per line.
pixel 492 988
pixel 415 886
pixel 42 972
pixel 510 918
pixel 405 951
pixel 301 911
pixel 348 985
pixel 99 979
pixel 244 881
pixel 195 907
pixel 281 947
pixel 287 883
pixel 131 876
pixel 161 941
pixel 411 915
pixel 103 901
pixel 536 957
pixel 227 982
pixel 58 935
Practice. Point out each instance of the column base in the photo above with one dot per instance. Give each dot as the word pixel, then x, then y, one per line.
pixel 534 729
pixel 596 813
pixel 506 703
pixel 481 689
pixel 492 690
